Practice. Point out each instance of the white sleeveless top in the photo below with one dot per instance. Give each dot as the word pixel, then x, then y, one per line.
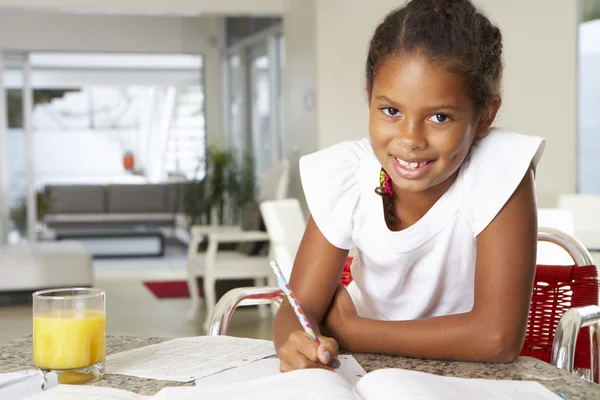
pixel 427 269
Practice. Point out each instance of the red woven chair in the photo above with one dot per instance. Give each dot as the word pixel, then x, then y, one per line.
pixel 561 300
pixel 556 290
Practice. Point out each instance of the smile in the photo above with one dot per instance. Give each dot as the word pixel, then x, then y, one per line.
pixel 413 169
pixel 411 165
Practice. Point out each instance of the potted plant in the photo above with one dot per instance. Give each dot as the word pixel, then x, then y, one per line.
pixel 227 185
pixel 18 214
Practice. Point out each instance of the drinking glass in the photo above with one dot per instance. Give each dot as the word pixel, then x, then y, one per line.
pixel 69 329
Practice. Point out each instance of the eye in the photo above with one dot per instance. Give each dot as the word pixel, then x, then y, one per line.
pixel 390 111
pixel 439 118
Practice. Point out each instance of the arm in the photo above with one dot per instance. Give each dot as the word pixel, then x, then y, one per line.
pixel 316 273
pixel 494 330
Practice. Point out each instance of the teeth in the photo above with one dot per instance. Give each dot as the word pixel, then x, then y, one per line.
pixel 410 165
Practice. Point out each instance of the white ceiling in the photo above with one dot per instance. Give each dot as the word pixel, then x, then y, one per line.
pixel 153 7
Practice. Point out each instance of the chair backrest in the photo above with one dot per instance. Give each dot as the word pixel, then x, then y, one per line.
pixel 285 223
pixel 557 289
pixel 586 216
pixel 275 182
pixel 550 253
pixel 557 218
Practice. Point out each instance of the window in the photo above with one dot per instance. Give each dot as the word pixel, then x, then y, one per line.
pixel 90 110
pixel 589 98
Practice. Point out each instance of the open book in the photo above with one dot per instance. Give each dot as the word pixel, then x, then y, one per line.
pixel 380 384
pixel 84 392
pixel 349 369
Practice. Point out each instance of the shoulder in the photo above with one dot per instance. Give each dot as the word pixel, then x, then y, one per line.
pixel 496 166
pixel 351 152
pixel 331 180
pixel 337 168
pixel 500 144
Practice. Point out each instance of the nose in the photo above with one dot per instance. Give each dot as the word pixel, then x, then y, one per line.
pixel 411 137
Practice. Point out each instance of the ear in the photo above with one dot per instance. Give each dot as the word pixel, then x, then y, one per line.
pixel 487 117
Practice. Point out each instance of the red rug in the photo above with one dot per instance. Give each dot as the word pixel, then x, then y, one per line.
pixel 179 289
pixel 170 289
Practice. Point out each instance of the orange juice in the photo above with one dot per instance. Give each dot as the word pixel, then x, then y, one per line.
pixel 69 340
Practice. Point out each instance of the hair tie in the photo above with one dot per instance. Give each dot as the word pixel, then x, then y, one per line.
pixel 385 184
pixel 385 190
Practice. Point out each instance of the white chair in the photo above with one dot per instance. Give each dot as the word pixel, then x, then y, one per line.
pixel 274 184
pixel 215 265
pixel 586 217
pixel 285 223
pixel 550 253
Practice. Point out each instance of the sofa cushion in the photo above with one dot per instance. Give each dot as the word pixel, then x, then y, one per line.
pixel 78 199
pixel 142 198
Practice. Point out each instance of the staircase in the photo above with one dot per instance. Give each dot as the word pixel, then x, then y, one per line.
pixel 186 139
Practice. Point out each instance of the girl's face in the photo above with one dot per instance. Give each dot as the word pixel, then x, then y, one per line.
pixel 422 122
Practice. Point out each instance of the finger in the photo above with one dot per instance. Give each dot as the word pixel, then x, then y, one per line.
pixel 301 362
pixel 327 351
pixel 284 367
pixel 306 346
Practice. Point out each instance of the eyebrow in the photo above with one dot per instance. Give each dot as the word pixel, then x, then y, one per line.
pixel 445 107
pixel 384 98
pixel 440 107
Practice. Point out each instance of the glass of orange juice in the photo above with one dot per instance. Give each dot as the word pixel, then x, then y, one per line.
pixel 69 329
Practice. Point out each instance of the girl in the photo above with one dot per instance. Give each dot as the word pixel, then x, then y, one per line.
pixel 440 206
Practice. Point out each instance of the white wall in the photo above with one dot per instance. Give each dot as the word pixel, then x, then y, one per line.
pixel 300 109
pixel 540 39
pixel 540 83
pixel 50 31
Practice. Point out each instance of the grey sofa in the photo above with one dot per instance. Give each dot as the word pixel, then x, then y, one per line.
pixel 116 206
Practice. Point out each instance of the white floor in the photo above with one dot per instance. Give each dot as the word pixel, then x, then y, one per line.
pixel 132 309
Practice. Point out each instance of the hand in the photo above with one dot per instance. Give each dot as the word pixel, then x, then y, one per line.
pixel 301 352
pixel 340 316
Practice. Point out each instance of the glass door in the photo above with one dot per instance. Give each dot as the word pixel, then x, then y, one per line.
pixel 262 113
pixel 237 104
pixel 18 198
pixel 253 104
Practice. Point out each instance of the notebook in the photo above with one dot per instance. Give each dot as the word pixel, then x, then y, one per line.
pixel 385 383
pixel 349 369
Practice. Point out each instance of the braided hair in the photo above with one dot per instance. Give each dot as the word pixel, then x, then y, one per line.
pixel 451 33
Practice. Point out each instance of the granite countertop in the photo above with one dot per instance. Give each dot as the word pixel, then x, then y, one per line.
pixel 17 355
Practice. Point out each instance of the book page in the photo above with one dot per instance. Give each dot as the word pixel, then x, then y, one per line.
pixel 349 369
pixel 21 384
pixel 82 392
pixel 7 377
pixel 413 385
pixel 187 359
pixel 315 384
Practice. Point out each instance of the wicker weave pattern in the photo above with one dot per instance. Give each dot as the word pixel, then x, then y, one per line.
pixel 557 289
